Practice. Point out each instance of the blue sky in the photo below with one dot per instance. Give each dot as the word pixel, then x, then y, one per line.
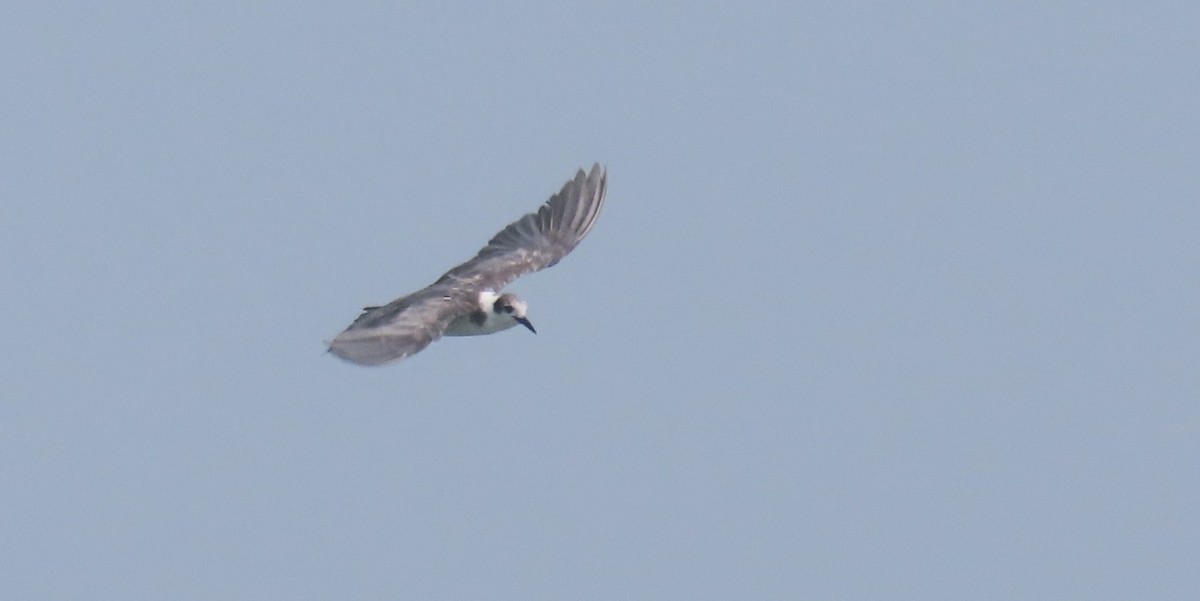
pixel 888 301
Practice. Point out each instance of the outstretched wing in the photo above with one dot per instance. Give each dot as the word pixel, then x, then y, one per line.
pixel 400 328
pixel 537 240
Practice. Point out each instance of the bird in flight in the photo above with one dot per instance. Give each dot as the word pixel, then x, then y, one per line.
pixel 469 299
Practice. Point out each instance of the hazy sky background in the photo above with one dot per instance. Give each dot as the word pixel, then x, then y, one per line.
pixel 888 301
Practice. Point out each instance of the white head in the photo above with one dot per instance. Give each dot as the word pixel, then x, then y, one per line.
pixel 511 306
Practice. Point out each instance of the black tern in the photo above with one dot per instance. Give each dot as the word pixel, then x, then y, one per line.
pixel 468 300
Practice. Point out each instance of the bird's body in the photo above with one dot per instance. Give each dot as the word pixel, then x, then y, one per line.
pixel 486 319
pixel 467 300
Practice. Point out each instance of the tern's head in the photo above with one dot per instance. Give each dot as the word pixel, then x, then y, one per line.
pixel 511 305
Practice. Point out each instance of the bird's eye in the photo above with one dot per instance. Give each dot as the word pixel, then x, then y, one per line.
pixel 508 309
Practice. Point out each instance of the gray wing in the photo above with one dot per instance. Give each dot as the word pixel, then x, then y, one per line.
pixel 400 328
pixel 537 240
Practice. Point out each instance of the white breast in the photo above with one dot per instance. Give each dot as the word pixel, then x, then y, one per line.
pixel 495 322
pixel 463 326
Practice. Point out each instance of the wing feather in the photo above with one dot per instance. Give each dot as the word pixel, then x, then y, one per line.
pixel 399 329
pixel 537 240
